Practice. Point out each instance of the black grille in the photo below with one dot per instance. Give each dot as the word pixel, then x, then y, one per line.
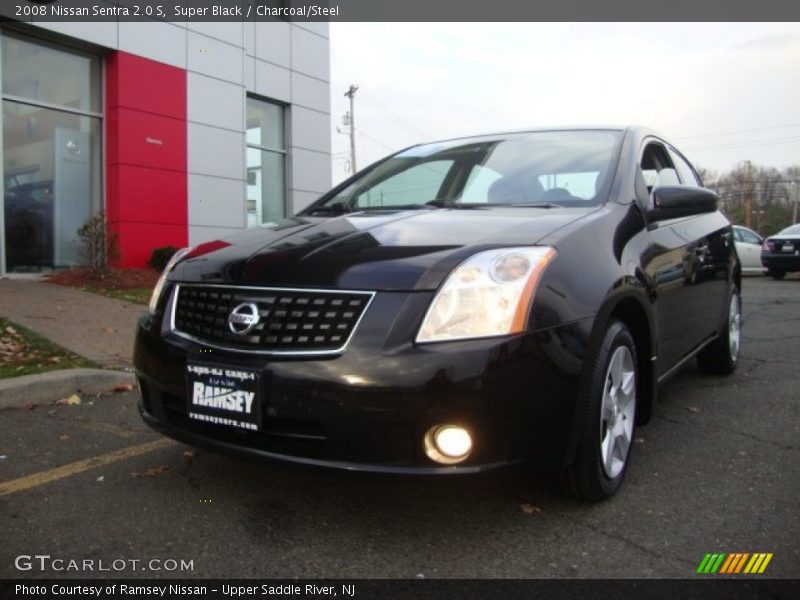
pixel 289 320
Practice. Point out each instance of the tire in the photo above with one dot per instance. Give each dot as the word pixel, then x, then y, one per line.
pixel 608 420
pixel 777 274
pixel 721 356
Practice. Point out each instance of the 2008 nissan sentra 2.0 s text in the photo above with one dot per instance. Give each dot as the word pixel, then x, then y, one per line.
pixel 456 307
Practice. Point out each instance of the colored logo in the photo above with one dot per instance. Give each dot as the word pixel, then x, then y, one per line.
pixel 734 563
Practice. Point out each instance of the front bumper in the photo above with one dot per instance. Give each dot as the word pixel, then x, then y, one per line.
pixel 781 261
pixel 369 408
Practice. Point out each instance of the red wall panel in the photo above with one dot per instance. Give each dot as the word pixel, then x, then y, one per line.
pixel 145 85
pixel 152 235
pixel 145 192
pixel 146 151
pixel 147 139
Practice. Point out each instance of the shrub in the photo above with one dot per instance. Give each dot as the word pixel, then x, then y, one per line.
pixel 160 257
pixel 99 247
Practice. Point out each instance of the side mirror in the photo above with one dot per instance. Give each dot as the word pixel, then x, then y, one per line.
pixel 676 201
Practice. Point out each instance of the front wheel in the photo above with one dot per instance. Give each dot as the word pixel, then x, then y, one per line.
pixel 777 274
pixel 609 418
pixel 721 356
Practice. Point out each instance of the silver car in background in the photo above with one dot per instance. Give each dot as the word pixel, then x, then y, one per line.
pixel 748 247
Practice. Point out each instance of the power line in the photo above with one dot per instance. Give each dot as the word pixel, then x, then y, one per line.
pixel 377 141
pixel 753 144
pixel 397 118
pixel 705 135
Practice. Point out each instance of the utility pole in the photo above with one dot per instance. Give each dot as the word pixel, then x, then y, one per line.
pixel 748 206
pixel 351 93
pixel 794 197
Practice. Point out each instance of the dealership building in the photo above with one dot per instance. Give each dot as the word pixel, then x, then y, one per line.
pixel 178 133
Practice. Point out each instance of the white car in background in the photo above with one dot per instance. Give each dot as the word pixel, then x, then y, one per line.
pixel 748 247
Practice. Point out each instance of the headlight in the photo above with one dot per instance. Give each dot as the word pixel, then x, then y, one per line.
pixel 161 280
pixel 488 294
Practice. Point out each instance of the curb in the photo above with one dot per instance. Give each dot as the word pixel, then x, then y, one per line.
pixel 48 387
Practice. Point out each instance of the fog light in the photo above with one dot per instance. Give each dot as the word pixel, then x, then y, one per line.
pixel 448 444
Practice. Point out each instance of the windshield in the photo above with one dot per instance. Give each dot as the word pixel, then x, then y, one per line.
pixel 566 168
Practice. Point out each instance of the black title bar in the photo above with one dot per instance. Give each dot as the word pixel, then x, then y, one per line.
pixel 400 10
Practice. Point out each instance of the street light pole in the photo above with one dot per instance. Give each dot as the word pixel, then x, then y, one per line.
pixel 351 93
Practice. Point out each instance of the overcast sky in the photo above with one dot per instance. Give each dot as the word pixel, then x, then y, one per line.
pixel 722 93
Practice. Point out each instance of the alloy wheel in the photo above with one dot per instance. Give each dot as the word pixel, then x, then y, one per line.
pixel 617 411
pixel 734 326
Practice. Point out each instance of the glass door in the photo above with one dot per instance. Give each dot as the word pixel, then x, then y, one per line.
pixel 51 153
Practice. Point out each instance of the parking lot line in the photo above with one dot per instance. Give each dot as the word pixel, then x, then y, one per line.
pixel 37 479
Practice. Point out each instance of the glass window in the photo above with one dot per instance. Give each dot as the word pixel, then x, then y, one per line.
pixel 50 75
pixel 265 125
pixel 685 171
pixel 748 237
pixel 791 230
pixel 419 184
pixel 580 185
pixel 51 153
pixel 266 162
pixel 657 168
pixel 563 167
pixel 480 179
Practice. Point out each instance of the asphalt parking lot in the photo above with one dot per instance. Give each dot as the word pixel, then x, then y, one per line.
pixel 717 470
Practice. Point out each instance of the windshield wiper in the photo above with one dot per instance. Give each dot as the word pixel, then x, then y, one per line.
pixel 536 204
pixel 332 209
pixel 426 206
pixel 441 203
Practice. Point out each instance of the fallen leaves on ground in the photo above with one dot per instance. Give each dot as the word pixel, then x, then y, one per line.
pixel 190 455
pixel 694 409
pixel 12 346
pixel 70 401
pixel 21 350
pixel 108 329
pixel 122 387
pixel 151 472
pixel 119 279
pixel 529 509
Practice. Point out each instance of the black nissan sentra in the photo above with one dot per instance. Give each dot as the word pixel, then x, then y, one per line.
pixel 457 307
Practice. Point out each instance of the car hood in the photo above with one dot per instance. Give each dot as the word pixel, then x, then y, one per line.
pixel 375 250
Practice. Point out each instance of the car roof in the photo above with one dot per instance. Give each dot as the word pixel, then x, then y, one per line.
pixel 638 131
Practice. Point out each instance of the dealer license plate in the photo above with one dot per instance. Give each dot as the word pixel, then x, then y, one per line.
pixel 225 396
